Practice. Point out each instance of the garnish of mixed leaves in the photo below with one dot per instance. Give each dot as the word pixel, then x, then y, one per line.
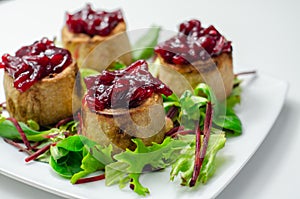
pixel 201 125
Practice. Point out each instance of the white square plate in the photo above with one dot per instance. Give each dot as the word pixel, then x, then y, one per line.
pixel 258 112
pixel 262 100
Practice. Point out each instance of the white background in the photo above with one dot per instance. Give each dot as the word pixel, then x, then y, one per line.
pixel 265 36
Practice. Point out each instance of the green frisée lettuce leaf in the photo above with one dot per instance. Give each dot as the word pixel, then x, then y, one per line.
pixel 180 153
pixel 116 173
pixel 184 165
pixel 156 155
pixel 130 164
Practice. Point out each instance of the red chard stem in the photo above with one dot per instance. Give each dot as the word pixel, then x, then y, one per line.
pixel 201 151
pixel 175 134
pixel 197 163
pixel 22 134
pixel 172 131
pixel 34 147
pixel 17 146
pixel 63 121
pixel 38 153
pixel 91 179
pixel 172 112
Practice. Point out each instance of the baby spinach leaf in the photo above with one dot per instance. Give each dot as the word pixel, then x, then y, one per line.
pixel 230 123
pixel 67 165
pixel 77 156
pixel 9 131
pixel 95 159
pixel 72 143
pixel 58 153
pixel 89 164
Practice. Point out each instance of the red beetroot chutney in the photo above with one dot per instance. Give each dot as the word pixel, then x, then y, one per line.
pixel 193 43
pixel 32 63
pixel 93 22
pixel 122 88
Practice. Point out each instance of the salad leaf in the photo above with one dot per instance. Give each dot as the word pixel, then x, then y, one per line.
pixel 66 156
pixel 116 173
pixel 85 72
pixel 190 109
pixel 185 162
pixel 230 123
pixel 203 89
pixel 117 65
pixel 33 125
pixel 235 97
pixel 130 164
pixel 89 164
pixel 2 118
pixel 72 143
pixel 171 100
pixel 68 165
pixel 136 185
pixel 144 47
pixel 77 156
pixel 9 131
pixel 154 155
pixel 93 161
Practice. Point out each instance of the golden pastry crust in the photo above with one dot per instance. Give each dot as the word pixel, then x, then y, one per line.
pixel 47 101
pixel 119 126
pixel 216 72
pixel 80 45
